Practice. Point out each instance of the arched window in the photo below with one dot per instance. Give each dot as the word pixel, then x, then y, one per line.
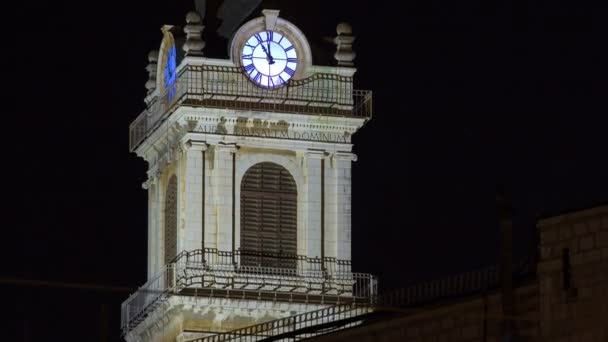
pixel 268 217
pixel 171 220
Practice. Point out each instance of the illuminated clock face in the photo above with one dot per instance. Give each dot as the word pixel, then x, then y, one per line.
pixel 269 59
pixel 169 73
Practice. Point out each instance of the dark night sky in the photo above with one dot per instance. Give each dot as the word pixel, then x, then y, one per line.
pixel 468 96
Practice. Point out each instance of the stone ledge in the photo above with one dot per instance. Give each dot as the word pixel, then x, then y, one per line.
pixel 597 211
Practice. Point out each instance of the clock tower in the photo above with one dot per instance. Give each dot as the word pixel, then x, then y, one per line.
pixel 249 185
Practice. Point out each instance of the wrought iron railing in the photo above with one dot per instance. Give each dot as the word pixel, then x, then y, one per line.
pixel 228 88
pixel 147 297
pixel 242 259
pixel 290 327
pixel 221 273
pixel 455 286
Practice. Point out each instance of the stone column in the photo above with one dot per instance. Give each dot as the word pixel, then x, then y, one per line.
pixel 193 192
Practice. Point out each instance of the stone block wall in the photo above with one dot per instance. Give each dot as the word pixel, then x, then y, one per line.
pixel 567 302
pixel 573 276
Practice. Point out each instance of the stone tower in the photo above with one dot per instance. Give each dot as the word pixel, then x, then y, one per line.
pixel 249 181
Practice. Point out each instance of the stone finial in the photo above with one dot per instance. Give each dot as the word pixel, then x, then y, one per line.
pixel 151 69
pixel 194 31
pixel 344 45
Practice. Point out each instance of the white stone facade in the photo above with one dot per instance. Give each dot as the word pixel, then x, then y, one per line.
pixel 180 149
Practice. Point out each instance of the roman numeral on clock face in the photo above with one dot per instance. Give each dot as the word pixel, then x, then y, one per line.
pixel 249 68
pixel 289 48
pixel 257 78
pixel 269 35
pixel 292 60
pixel 289 71
pixel 258 37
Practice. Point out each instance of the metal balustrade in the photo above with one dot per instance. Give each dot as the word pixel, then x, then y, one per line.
pixel 302 263
pixel 455 286
pixel 147 297
pixel 228 88
pixel 211 272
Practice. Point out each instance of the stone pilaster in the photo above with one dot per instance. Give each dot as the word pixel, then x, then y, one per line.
pixel 193 192
pixel 152 187
pixel 312 206
pixel 341 200
pixel 156 229
pixel 221 184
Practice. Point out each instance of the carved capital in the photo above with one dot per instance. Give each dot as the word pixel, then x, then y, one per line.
pixel 345 156
pixel 176 152
pixel 316 154
pixel 153 171
pixel 342 157
pixel 152 180
pixel 228 148
pixel 195 145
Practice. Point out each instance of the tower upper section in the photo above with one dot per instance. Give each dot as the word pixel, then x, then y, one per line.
pixel 270 70
pixel 249 179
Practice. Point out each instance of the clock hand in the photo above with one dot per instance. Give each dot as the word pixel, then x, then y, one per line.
pixel 270 59
pixel 269 54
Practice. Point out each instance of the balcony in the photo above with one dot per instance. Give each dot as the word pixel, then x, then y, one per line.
pixel 246 275
pixel 227 88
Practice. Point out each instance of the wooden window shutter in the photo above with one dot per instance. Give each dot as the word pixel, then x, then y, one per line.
pixel 268 217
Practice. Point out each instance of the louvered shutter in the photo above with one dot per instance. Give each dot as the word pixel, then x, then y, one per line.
pixel 268 217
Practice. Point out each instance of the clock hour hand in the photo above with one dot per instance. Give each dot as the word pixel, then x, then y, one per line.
pixel 270 60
